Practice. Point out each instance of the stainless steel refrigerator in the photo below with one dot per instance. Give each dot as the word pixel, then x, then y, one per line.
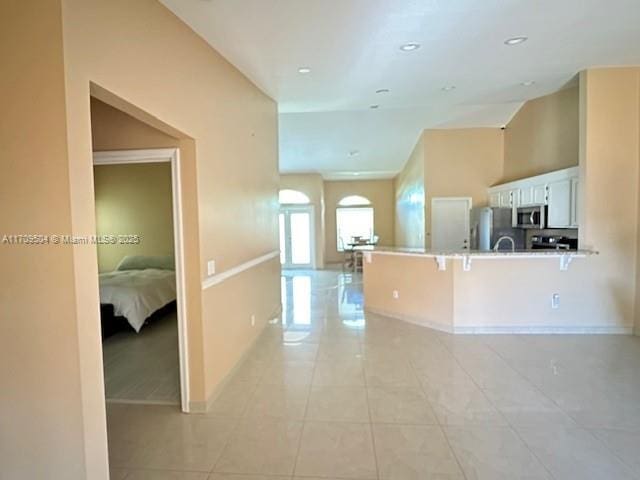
pixel 489 224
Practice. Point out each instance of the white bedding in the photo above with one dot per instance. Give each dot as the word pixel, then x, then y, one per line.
pixel 136 294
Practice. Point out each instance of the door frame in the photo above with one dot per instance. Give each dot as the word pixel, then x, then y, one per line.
pixel 163 155
pixel 293 207
pixel 469 202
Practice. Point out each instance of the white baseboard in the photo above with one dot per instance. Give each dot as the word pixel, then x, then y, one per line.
pixel 511 329
pixel 544 329
pixel 422 322
pixel 203 407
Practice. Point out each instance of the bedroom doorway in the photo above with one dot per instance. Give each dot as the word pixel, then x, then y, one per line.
pixel 145 361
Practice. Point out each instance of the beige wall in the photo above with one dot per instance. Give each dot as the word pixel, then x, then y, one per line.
pixel 543 135
pixel 112 129
pixel 600 292
pixel 409 229
pixel 461 163
pixel 227 129
pixel 43 429
pixel 485 298
pixel 381 195
pixel 312 185
pixel 133 200
pixel 609 157
pixel 425 295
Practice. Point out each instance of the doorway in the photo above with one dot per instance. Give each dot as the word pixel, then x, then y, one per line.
pixel 143 284
pixel 450 223
pixel 297 248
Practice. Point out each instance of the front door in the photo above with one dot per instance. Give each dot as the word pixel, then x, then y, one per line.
pixel 450 223
pixel 296 239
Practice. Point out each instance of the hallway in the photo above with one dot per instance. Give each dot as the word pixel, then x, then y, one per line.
pixel 332 392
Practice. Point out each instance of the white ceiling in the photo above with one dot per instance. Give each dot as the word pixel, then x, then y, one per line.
pixel 352 48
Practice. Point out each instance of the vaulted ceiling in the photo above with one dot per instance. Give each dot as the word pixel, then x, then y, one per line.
pixel 352 49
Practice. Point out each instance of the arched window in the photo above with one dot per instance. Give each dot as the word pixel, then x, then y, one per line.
pixel 290 197
pixel 354 222
pixel 354 201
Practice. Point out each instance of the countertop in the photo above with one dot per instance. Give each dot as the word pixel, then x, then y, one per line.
pixel 476 253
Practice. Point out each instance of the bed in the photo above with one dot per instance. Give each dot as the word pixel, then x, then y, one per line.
pixel 138 287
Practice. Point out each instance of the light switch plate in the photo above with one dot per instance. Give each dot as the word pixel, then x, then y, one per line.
pixel 211 267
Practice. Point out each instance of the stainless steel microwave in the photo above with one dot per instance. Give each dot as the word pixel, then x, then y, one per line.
pixel 530 217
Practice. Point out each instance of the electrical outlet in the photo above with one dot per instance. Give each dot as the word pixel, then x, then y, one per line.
pixel 253 320
pixel 555 300
pixel 211 267
pixel 396 294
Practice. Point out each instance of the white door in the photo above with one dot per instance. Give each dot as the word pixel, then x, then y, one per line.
pixel 296 237
pixel 450 223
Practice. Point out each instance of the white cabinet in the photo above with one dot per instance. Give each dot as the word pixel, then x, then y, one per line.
pixel 494 199
pixel 575 183
pixel 540 194
pixel 526 196
pixel 559 209
pixel 533 195
pixel 505 198
pixel 557 190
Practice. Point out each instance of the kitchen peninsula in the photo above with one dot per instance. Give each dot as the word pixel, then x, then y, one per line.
pixel 489 292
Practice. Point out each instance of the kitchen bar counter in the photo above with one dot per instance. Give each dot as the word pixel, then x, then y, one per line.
pixel 539 291
pixel 467 256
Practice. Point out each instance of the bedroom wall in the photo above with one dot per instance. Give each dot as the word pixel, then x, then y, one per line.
pixel 118 51
pixel 133 199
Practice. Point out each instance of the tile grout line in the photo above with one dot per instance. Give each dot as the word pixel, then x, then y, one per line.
pixel 304 415
pixel 438 422
pixel 510 425
pixel 371 433
pixel 238 420
pixel 578 425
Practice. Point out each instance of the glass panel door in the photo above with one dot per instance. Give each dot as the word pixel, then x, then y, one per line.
pixel 296 247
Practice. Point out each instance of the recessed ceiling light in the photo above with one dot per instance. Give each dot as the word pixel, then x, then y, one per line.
pixel 515 40
pixel 528 83
pixel 383 90
pixel 304 70
pixel 374 106
pixel 409 47
pixel 449 88
pixel 354 153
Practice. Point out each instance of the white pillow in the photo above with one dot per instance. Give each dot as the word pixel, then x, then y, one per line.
pixel 140 262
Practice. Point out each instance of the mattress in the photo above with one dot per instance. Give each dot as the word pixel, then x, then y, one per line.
pixel 136 294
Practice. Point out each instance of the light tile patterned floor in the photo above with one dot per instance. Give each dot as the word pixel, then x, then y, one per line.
pixel 144 366
pixel 335 393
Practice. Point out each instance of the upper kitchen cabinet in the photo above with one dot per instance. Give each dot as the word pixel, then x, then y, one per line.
pixel 559 204
pixel 557 190
pixel 575 184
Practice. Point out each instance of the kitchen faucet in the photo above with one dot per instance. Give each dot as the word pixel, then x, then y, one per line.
pixel 496 247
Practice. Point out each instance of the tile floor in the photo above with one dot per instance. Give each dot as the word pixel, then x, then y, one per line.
pixel 334 393
pixel 144 367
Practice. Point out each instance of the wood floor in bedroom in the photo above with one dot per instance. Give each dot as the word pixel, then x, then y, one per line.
pixel 144 367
